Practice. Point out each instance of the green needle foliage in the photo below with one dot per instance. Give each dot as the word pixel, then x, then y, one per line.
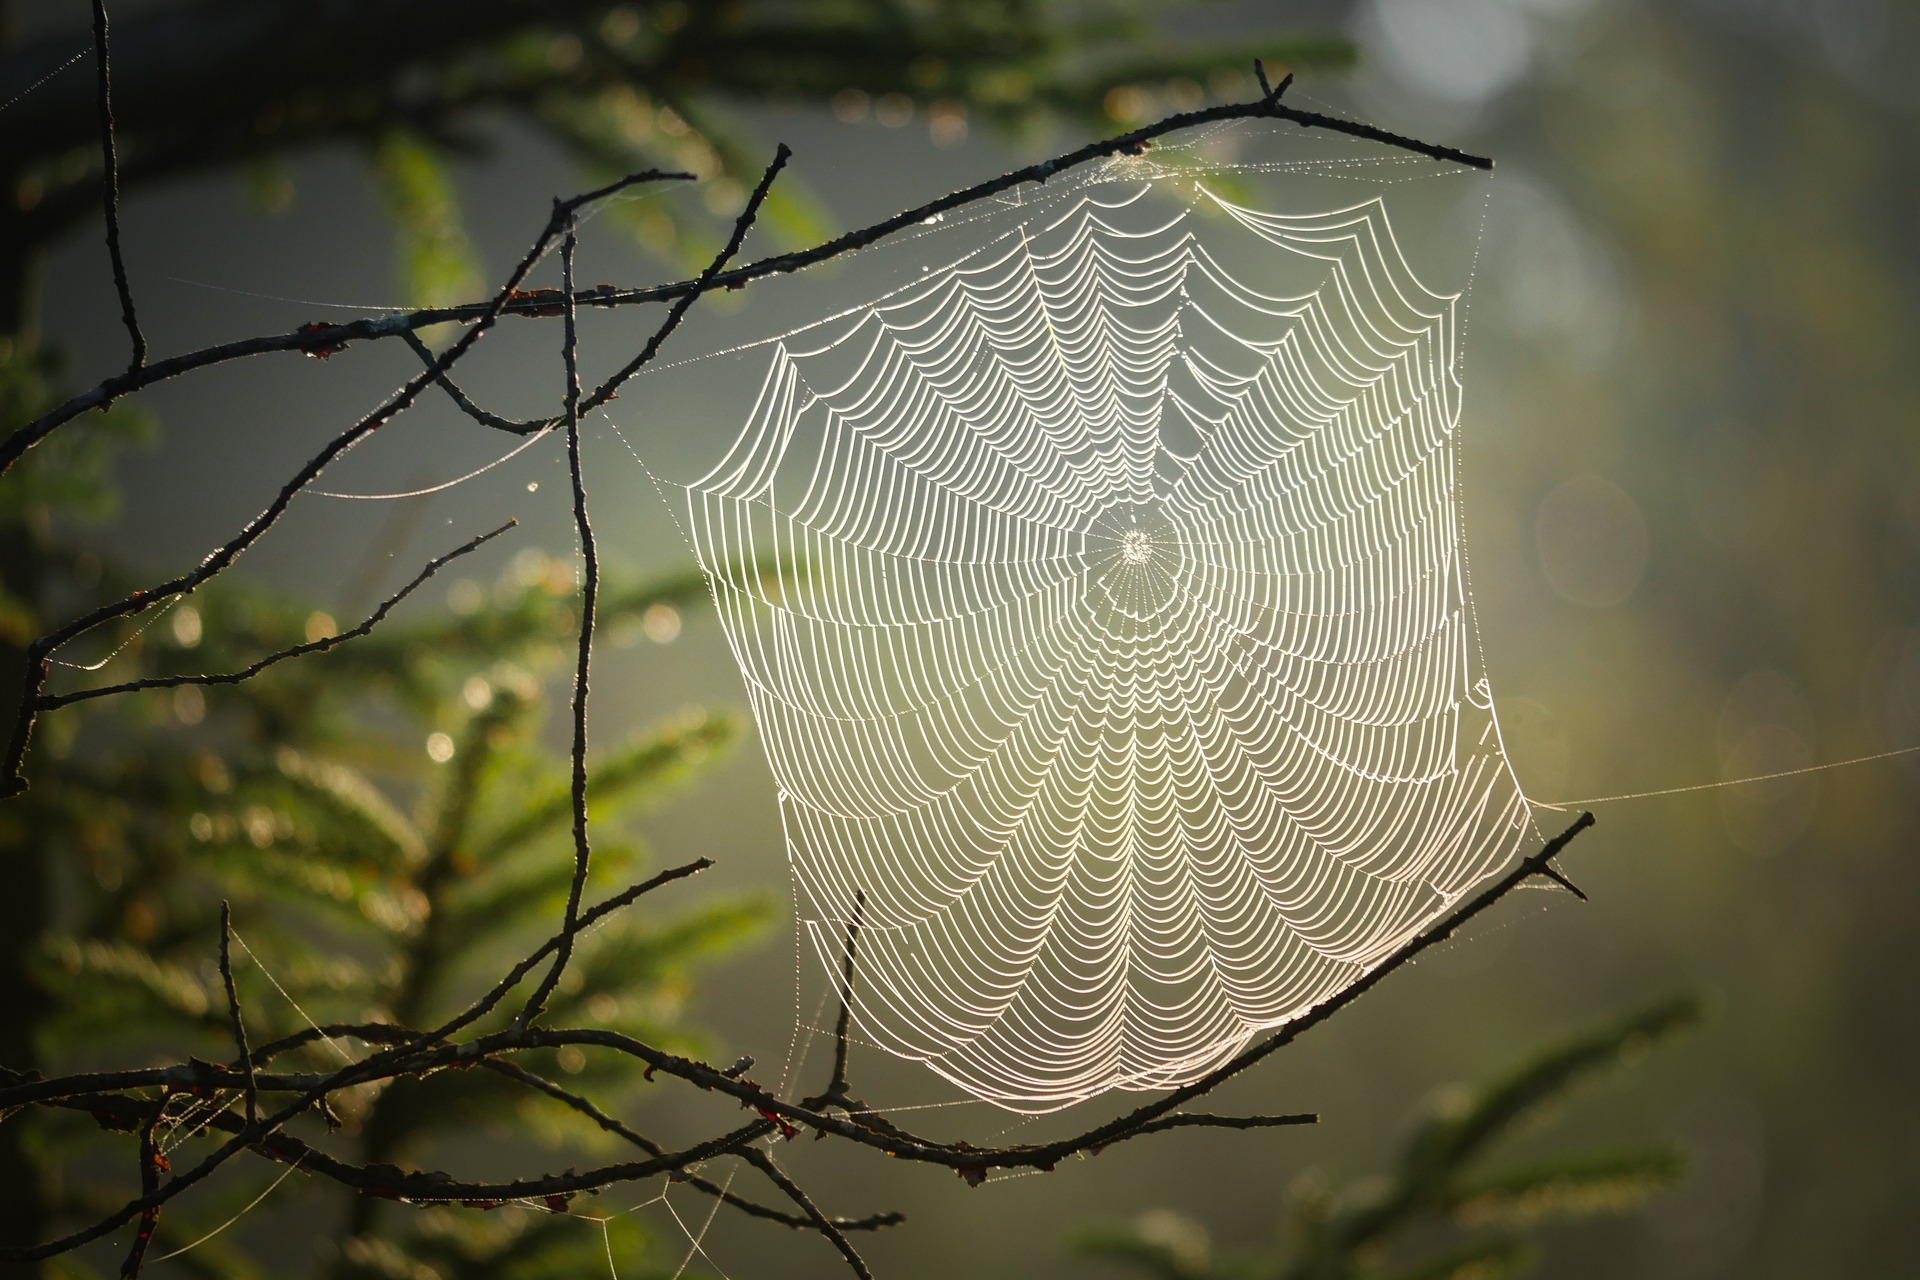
pixel 1439 1215
pixel 387 823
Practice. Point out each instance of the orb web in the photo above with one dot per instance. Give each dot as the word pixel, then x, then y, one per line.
pixel 1120 660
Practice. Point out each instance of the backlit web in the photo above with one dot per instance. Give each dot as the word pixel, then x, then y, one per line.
pixel 1121 660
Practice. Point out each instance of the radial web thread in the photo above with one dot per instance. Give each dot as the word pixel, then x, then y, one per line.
pixel 1120 655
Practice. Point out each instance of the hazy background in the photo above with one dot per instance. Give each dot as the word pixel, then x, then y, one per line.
pixel 1692 477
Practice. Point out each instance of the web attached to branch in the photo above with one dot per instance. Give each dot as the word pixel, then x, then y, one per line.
pixel 1117 650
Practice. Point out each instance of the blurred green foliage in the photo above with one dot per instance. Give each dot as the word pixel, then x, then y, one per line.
pixel 1438 1215
pixel 387 824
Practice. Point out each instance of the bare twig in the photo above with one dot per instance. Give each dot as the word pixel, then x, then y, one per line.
pixel 764 1163
pixel 590 562
pixel 485 418
pixel 1268 92
pixel 486 1003
pixel 1553 873
pixel 245 1058
pixel 840 1084
pixel 589 592
pixel 1204 1120
pixel 151 1162
pixel 839 1090
pixel 110 187
pixel 48 702
pixel 705 281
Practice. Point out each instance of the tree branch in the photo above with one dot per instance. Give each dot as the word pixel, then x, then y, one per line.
pixel 245 1055
pixel 589 556
pixel 151 1162
pixel 314 339
pixel 589 593
pixel 605 391
pixel 49 702
pixel 486 419
pixel 110 191
pixel 1204 1120
pixel 764 1163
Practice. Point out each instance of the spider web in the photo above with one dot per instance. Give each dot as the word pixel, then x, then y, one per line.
pixel 1120 671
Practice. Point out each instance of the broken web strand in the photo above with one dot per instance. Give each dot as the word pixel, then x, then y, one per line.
pixel 876 718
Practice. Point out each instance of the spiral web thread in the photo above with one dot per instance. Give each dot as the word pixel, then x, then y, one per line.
pixel 1122 659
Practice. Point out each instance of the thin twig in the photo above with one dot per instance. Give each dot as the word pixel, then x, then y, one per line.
pixel 1268 92
pixel 705 281
pixel 589 593
pixel 197 1075
pixel 485 418
pixel 245 1058
pixel 1205 1120
pixel 486 1003
pixel 752 1208
pixel 825 1225
pixel 110 186
pixel 839 1087
pixel 49 702
pixel 589 556
pixel 844 1024
pixel 150 1165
